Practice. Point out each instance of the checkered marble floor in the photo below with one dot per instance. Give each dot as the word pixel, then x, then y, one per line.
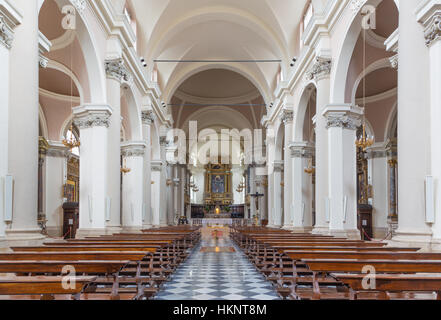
pixel 217 276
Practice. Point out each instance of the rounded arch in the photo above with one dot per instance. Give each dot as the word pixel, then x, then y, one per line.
pixel 62 68
pixel 343 58
pixel 279 141
pixel 134 112
pixel 43 122
pixel 210 117
pixel 392 123
pixel 301 110
pixel 223 13
pixel 377 65
pixel 90 48
pixel 156 147
pixel 193 69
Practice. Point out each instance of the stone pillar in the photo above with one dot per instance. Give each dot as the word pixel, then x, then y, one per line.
pixel 429 15
pixel 176 194
pixel 270 166
pixel 320 73
pixel 157 168
pixel 22 118
pixel 93 122
pixel 133 185
pixel 252 180
pixel 163 183
pixel 287 118
pixel 342 123
pixel 9 19
pixel 55 178
pixel 147 120
pixel 302 193
pixel 413 145
pixel 183 187
pixel 277 189
pixel 116 73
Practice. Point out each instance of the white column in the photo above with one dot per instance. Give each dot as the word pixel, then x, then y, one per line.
pixel 342 123
pixel 55 178
pixel 147 120
pixel 157 168
pixel 429 15
pixel 301 153
pixel 9 18
pixel 277 189
pixel 320 73
pixel 287 117
pixel 413 145
pixel 93 122
pixel 163 196
pixel 23 123
pixel 176 193
pixel 116 73
pixel 133 186
pixel 270 165
pixel 252 180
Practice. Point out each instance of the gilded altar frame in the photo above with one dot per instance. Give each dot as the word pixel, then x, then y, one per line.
pixel 218 198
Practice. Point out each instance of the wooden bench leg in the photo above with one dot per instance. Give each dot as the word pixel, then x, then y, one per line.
pixel 115 287
pixel 316 287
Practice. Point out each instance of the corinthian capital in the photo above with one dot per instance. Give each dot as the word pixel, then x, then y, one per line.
pixel 6 34
pixel 433 29
pixel 147 117
pixel 115 69
pixel 320 69
pixel 286 116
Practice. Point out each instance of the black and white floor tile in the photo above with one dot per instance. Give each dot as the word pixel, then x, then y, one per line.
pixel 217 276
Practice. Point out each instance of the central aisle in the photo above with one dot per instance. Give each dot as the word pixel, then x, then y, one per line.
pixel 217 270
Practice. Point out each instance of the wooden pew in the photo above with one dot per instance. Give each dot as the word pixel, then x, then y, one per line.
pixel 44 286
pixel 392 283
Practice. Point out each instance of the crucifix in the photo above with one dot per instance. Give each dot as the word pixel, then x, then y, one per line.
pixel 256 196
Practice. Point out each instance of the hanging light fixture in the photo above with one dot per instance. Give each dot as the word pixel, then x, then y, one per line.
pixel 310 169
pixel 70 141
pixel 364 141
pixel 124 168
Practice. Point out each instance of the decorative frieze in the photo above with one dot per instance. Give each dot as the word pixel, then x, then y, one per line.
pixel 433 29
pixel 6 34
pixel 92 116
pixel 345 121
pixel 79 5
pixel 320 69
pixel 133 149
pixel 356 6
pixel 116 70
pixel 147 117
pixel 157 166
pixel 287 116
pixel 278 165
pixel 302 151
pixel 394 61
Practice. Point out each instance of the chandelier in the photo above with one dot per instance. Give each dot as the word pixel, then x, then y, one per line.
pixel 124 169
pixel 310 169
pixel 364 142
pixel 70 141
pixel 240 187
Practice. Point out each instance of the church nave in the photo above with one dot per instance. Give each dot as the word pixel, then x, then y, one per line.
pixel 217 270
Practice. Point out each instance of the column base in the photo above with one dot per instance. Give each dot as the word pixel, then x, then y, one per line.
pixel 28 237
pixel 147 226
pixel 3 244
pixel 412 239
pixel 352 234
pixel 132 229
pixel 301 229
pixel 113 229
pixel 54 232
pixel 82 233
pixel 320 230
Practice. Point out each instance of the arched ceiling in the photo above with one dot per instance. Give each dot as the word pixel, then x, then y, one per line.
pixel 218 30
pixel 217 84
